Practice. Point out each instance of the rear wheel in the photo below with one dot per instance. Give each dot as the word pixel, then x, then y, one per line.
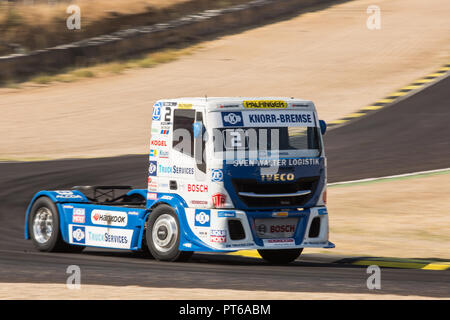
pixel 44 228
pixel 282 256
pixel 163 235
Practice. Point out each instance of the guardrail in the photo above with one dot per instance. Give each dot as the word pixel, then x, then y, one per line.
pixel 137 40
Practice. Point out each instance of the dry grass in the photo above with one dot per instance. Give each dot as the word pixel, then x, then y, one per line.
pixel 147 61
pixel 42 25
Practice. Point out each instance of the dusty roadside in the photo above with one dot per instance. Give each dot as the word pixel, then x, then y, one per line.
pixel 405 218
pixel 328 56
pixel 10 291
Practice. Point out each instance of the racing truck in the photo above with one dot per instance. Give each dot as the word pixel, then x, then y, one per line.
pixel 224 174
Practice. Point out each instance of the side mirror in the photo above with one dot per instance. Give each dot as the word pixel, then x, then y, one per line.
pixel 323 126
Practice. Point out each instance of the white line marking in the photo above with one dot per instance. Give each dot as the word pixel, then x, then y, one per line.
pixel 389 177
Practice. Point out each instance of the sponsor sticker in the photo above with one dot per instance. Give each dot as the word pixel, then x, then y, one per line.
pixel 159 143
pixel 67 194
pixel 279 242
pixel 278 104
pixel 232 119
pixel 197 187
pixel 101 237
pixel 218 236
pixel 217 175
pixel 153 153
pixel 163 154
pixel 156 112
pixel 152 168
pixel 219 199
pixel 78 235
pixel 110 218
pixel 152 196
pixel 226 214
pixel 185 106
pixel 78 215
pixel 264 118
pixel 202 218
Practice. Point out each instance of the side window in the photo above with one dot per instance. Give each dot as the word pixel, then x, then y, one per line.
pixel 183 131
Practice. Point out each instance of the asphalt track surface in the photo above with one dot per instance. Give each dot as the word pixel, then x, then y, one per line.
pixel 411 135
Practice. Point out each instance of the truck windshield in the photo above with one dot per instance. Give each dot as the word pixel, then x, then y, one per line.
pixel 292 141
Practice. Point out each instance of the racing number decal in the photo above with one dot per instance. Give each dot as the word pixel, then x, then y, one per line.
pixel 168 114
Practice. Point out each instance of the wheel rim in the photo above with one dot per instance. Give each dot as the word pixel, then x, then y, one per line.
pixel 165 233
pixel 43 225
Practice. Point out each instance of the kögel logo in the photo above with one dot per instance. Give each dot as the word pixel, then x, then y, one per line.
pixel 278 177
pixel 265 104
pixel 232 119
pixel 159 143
pixel 112 218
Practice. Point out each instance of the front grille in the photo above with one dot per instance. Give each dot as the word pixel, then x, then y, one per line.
pixel 252 185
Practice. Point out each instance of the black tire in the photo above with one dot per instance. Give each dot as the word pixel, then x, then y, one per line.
pixel 171 252
pixel 282 256
pixel 54 243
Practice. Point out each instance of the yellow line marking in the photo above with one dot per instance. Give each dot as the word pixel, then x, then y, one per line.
pixel 385 100
pixel 338 121
pixel 246 253
pixel 406 265
pixel 445 68
pixel 398 94
pixel 390 264
pixel 372 107
pixel 435 74
pixel 355 115
pixel 425 80
pixel 411 87
pixel 434 266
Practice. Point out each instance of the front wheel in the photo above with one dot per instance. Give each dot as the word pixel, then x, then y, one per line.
pixel 163 235
pixel 282 256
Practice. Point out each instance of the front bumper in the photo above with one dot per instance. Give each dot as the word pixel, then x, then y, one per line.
pixel 212 230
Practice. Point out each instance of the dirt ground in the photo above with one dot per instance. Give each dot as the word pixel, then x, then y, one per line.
pixel 328 56
pixel 10 291
pixel 405 218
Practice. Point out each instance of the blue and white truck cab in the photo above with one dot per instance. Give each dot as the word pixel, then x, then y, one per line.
pixel 225 174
